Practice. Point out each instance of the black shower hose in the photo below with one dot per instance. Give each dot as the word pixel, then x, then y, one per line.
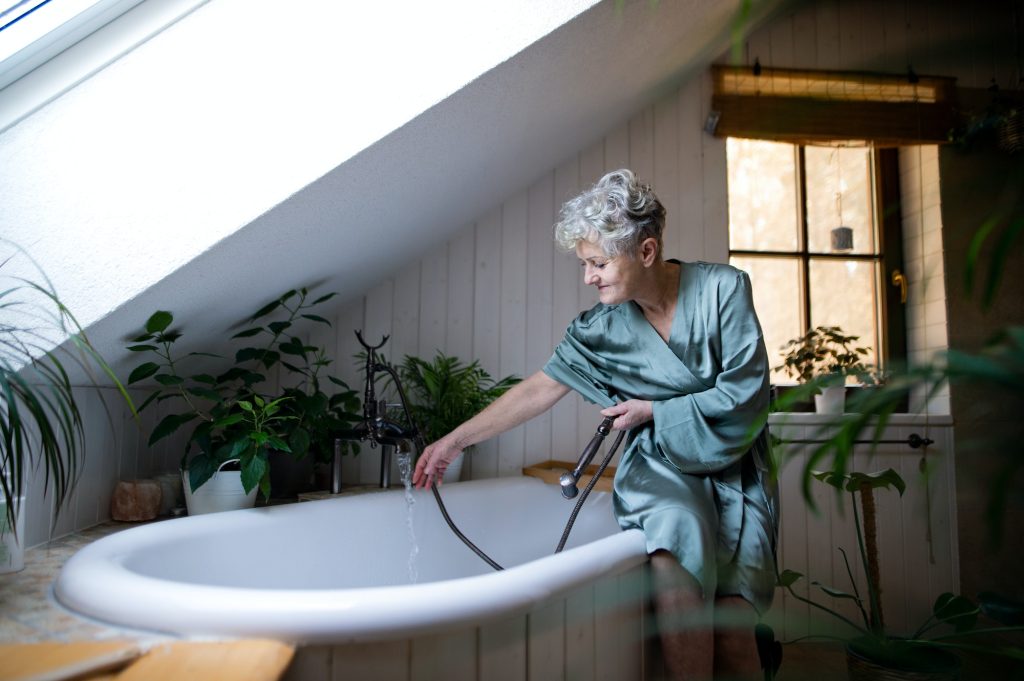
pixel 444 511
pixel 568 525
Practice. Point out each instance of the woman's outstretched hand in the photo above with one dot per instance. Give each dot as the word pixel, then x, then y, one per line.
pixel 433 462
pixel 630 413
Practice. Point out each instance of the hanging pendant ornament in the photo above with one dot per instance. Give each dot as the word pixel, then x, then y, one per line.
pixel 842 236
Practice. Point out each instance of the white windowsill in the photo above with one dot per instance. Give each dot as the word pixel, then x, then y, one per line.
pixel 811 419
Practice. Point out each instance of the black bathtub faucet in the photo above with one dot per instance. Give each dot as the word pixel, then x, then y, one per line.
pixel 375 425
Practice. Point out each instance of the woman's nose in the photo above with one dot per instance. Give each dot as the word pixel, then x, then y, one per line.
pixel 589 275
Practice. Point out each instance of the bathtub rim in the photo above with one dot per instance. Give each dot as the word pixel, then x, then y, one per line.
pixel 95 583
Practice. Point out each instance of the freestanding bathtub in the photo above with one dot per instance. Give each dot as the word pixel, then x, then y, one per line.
pixel 343 578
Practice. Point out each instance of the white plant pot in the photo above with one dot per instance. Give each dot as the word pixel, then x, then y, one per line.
pixel 454 470
pixel 222 492
pixel 12 553
pixel 832 400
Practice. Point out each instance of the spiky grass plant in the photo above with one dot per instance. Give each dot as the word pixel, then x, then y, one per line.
pixel 40 420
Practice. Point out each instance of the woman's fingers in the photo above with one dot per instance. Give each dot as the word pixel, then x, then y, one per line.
pixel 630 413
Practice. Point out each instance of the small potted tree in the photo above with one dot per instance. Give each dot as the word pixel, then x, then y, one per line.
pixel 822 358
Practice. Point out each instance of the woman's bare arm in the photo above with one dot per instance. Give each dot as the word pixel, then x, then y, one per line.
pixel 519 404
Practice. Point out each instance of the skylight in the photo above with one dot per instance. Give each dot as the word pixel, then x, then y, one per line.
pixel 33 31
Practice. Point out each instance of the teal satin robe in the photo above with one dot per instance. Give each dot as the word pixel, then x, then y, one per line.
pixel 683 477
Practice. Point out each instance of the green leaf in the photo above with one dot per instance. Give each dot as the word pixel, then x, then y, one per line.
pixel 205 393
pixel 143 338
pixel 205 378
pixel 200 469
pixel 789 578
pixel 835 593
pixel 248 332
pixel 317 318
pixel 168 425
pixel 254 467
pixel 245 405
pixel 323 298
pixel 142 348
pixel 267 309
pixel 955 610
pixel 143 371
pixel 168 379
pixel 279 444
pixel 298 441
pixel 229 420
pixel 159 321
pixel 279 327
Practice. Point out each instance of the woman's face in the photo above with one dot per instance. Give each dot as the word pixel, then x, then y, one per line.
pixel 615 278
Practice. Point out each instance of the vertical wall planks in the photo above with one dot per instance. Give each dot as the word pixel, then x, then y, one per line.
pixel 461 284
pixel 805 39
pixel 405 326
pixel 827 32
pixel 689 220
pixel 641 144
pixel 487 323
pixel 433 293
pixel 445 656
pixel 565 306
pixel 503 650
pixel 540 261
pixel 665 179
pixel 386 661
pixel 780 46
pixel 514 230
pixel 545 657
pixel 716 205
pixel 348 368
pixel 594 163
pixel 579 634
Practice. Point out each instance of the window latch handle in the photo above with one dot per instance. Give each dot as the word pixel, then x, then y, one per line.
pixel 900 279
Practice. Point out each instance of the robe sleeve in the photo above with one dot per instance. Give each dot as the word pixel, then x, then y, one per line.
pixel 578 367
pixel 708 430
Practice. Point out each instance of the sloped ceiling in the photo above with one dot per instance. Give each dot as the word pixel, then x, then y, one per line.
pixel 412 189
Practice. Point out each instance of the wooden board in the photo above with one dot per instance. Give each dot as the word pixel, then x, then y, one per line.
pixel 52 661
pixel 246 660
pixel 549 471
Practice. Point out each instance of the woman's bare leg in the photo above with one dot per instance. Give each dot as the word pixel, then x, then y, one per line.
pixel 684 622
pixel 735 648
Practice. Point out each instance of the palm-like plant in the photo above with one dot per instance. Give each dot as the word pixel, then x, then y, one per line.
pixel 445 392
pixel 40 422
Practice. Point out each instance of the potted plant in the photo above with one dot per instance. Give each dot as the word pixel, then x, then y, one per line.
pixel 872 651
pixel 40 421
pixel 823 357
pixel 232 420
pixel 445 392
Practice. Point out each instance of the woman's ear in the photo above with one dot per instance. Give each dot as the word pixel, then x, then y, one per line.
pixel 649 251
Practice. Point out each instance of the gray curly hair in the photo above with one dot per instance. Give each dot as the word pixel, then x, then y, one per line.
pixel 618 214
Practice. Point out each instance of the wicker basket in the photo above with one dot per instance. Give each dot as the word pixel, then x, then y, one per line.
pixel 860 668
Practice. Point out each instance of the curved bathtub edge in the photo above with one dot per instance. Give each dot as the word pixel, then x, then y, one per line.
pixel 339 615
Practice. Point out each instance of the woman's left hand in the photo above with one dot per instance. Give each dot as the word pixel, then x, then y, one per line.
pixel 630 413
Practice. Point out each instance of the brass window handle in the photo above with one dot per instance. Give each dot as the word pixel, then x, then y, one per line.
pixel 900 279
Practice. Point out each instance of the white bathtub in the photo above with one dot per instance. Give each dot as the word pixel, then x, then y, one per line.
pixel 337 572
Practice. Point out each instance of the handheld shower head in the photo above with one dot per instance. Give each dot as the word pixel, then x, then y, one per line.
pixel 568 481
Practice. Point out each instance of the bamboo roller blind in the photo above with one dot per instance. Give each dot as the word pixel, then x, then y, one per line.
pixel 815 107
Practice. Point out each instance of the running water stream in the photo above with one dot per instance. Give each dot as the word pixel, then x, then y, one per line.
pixel 405 468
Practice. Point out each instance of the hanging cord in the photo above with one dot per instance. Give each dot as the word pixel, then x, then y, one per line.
pixel 586 491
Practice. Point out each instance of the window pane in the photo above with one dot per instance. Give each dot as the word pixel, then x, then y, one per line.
pixel 844 293
pixel 777 301
pixel 839 194
pixel 762 195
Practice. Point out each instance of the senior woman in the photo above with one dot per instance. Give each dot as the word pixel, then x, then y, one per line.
pixel 674 352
